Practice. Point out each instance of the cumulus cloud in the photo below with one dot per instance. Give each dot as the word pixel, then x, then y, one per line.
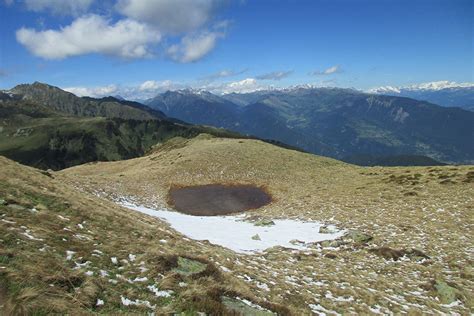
pixel 194 47
pixel 275 75
pixel 142 91
pixel 158 86
pixel 173 16
pixel 328 71
pixel 59 7
pixel 241 86
pixel 191 24
pixel 95 92
pixel 91 34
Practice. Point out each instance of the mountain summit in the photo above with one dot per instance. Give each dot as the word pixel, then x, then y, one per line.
pixel 445 93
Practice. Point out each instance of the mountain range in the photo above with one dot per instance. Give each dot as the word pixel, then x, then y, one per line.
pixel 340 123
pixel 46 127
pixel 444 93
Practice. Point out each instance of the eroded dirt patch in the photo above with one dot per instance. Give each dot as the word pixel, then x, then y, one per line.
pixel 217 199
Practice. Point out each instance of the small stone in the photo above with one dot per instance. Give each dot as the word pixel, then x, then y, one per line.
pixel 256 237
pixel 16 207
pixel 264 222
pixel 359 237
pixel 447 294
pixel 326 230
pixel 297 242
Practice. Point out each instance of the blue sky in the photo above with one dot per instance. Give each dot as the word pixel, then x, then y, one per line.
pixel 137 48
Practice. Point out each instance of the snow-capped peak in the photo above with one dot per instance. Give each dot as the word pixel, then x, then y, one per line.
pixel 430 86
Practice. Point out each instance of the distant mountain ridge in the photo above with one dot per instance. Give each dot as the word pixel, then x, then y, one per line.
pixel 332 121
pixel 443 93
pixel 46 127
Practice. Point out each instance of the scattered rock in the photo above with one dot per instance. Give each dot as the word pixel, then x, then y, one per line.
pixel 16 207
pixel 297 242
pixel 241 306
pixel 256 237
pixel 359 237
pixel 189 267
pixel 47 173
pixel 395 254
pixel 40 207
pixel 327 230
pixel 447 294
pixel 330 255
pixel 331 243
pixel 264 222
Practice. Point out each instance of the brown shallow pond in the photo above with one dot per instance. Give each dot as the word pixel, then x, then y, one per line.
pixel 217 199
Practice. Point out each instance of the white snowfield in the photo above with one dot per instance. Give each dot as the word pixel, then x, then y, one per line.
pixel 234 233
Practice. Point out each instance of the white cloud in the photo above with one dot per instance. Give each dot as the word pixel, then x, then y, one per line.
pixel 275 75
pixel 328 71
pixel 173 16
pixel 158 86
pixel 194 47
pixel 91 34
pixel 242 86
pixel 223 74
pixel 96 92
pixel 59 7
pixel 145 90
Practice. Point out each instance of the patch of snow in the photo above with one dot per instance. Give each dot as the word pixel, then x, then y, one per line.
pixel 99 302
pixel 63 218
pixel 144 279
pixel 89 273
pixel 81 265
pixel 320 310
pixel 158 292
pixel 251 304
pixel 27 233
pixel 453 304
pixel 263 286
pixel 129 302
pixel 132 257
pixel 80 226
pixel 69 254
pixel 114 260
pixel 234 233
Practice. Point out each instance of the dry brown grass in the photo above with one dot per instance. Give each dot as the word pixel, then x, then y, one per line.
pixel 42 218
pixel 400 207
